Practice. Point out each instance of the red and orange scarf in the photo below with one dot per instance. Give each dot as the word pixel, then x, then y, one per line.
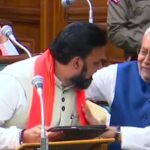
pixel 44 66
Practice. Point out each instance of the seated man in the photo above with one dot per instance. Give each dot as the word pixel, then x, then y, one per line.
pixel 67 68
pixel 126 87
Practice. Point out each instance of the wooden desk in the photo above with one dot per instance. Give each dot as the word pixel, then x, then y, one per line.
pixel 91 144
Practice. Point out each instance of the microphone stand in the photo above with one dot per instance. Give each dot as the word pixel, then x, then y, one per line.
pixel 37 81
pixel 44 141
pixel 90 11
pixel 12 39
pixel 66 3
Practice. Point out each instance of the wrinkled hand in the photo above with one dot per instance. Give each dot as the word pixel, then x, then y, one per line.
pixel 110 133
pixel 33 135
pixel 94 113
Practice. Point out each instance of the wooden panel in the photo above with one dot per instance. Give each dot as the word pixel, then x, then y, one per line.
pixel 28 35
pixel 20 14
pixel 25 17
pixel 20 3
pixel 36 23
pixel 20 11
pixel 79 11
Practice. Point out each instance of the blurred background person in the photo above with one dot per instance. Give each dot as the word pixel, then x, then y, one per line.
pixel 127 21
pixel 6 46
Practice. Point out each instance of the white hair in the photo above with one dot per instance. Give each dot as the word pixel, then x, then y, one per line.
pixel 147 32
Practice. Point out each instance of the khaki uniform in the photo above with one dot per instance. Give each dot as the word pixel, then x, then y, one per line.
pixel 127 21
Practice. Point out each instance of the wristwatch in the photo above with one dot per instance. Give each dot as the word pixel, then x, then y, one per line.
pixel 118 134
pixel 21 136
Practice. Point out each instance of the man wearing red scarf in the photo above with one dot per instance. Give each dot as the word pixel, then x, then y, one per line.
pixel 67 67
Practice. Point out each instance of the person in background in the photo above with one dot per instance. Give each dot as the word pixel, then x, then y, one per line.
pixel 127 21
pixel 6 46
pixel 66 67
pixel 126 87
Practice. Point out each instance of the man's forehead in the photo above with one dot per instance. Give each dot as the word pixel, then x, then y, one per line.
pixel 145 43
pixel 146 38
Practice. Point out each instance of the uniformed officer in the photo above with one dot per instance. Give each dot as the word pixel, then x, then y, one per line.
pixel 127 21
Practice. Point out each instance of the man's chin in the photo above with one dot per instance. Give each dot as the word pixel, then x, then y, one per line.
pixel 83 85
pixel 146 78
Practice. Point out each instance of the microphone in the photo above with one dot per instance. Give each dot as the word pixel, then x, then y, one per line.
pixel 37 81
pixel 6 30
pixel 67 3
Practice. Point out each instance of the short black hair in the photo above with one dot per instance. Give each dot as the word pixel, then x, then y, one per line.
pixel 77 39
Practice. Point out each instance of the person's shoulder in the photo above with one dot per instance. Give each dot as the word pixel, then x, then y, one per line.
pixel 128 63
pixel 20 66
pixel 25 62
pixel 110 67
pixel 106 71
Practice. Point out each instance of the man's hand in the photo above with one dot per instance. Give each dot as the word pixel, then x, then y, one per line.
pixel 33 135
pixel 53 136
pixel 94 113
pixel 110 133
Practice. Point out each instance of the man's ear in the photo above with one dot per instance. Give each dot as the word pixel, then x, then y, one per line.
pixel 77 63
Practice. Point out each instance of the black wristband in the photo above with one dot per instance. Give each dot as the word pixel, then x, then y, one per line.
pixel 117 134
pixel 21 136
